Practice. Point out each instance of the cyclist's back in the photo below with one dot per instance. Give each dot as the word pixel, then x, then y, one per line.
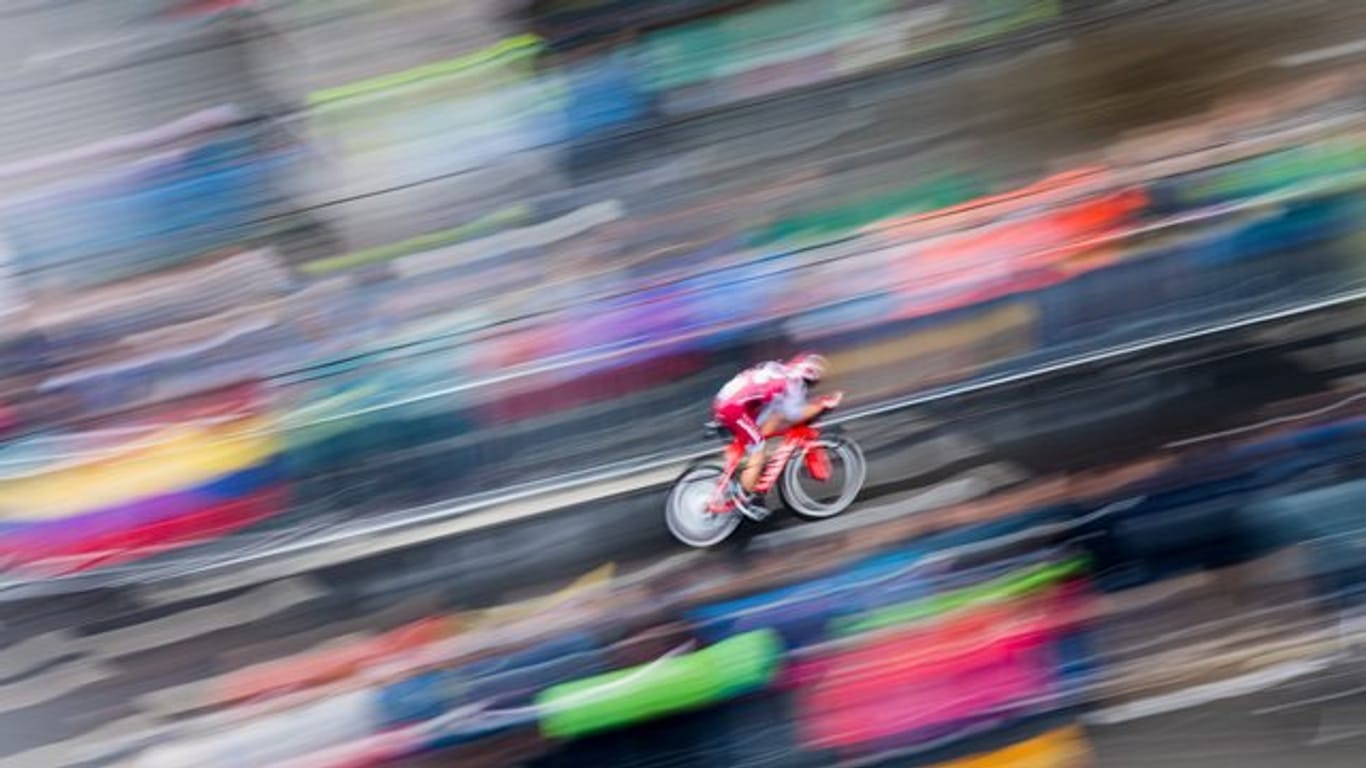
pixel 759 385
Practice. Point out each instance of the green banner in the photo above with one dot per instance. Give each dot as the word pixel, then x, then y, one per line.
pixel 1008 587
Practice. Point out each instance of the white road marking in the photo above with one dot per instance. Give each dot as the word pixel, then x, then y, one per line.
pixel 57 682
pixel 93 745
pixel 1206 693
pixel 965 487
pixel 345 546
pixel 1319 55
pixel 38 651
pixel 252 606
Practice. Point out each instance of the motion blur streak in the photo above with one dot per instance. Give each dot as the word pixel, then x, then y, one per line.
pixel 353 352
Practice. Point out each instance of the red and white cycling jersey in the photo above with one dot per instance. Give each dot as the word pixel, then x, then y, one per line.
pixel 747 399
pixel 764 383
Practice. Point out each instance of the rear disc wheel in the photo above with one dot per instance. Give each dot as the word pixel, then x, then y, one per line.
pixel 818 499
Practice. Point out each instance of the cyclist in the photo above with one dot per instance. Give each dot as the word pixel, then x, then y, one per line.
pixel 762 401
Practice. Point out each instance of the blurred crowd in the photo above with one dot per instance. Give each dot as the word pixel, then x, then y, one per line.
pixel 487 270
pixel 272 268
pixel 1005 629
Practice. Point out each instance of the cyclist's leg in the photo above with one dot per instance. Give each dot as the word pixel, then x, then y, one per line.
pixel 772 424
pixel 737 418
pixel 740 421
pixel 753 439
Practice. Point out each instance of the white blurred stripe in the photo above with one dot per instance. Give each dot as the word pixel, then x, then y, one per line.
pixel 1269 422
pixel 166 354
pixel 275 738
pixel 93 745
pixel 962 488
pixel 933 454
pixel 243 609
pixel 39 651
pixel 536 235
pixel 1207 693
pixel 216 117
pixel 57 682
pixel 164 702
pixel 200 289
pixel 1339 722
pixel 1319 55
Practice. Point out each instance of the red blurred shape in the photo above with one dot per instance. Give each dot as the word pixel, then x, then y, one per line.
pixel 978 663
pixel 206 7
pixel 318 668
pixel 143 541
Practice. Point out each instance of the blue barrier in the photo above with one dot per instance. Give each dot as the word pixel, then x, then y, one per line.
pixel 141 218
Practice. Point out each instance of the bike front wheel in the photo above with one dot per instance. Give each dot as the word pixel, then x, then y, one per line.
pixel 816 498
pixel 687 513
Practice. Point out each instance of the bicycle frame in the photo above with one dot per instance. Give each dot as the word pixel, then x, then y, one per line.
pixel 797 440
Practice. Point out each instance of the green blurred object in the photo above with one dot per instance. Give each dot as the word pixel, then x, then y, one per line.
pixel 516 52
pixel 1008 587
pixel 992 18
pixel 1275 171
pixel 484 225
pixel 729 45
pixel 683 56
pixel 834 223
pixel 730 668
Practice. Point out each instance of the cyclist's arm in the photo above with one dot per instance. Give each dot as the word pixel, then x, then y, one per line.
pixel 792 404
pixel 780 421
pixel 811 411
pixel 792 407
